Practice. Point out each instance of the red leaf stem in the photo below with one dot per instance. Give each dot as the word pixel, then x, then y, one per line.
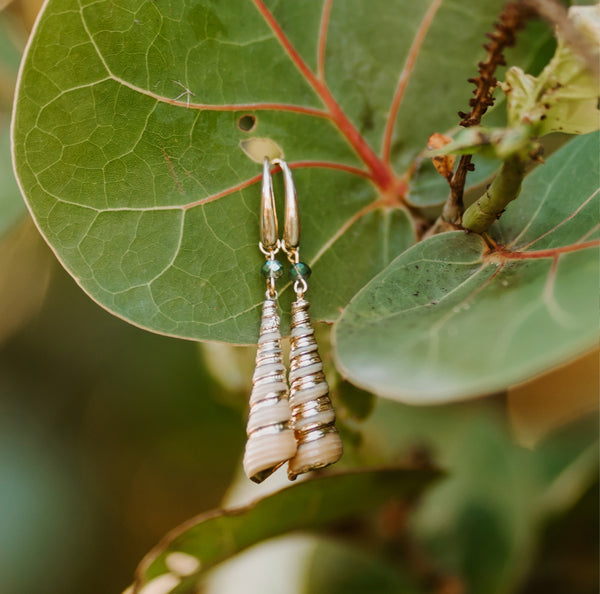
pixel 381 173
pixel 322 44
pixel 538 254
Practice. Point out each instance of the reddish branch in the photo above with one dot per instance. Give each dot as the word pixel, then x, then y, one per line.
pixel 511 19
pixel 382 174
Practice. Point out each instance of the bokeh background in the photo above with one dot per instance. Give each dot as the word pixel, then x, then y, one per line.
pixel 110 436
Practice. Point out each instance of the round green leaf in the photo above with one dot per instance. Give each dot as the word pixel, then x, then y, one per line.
pixel 452 319
pixel 128 132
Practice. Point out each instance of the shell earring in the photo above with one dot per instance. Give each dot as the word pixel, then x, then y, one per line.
pixel 295 425
pixel 271 439
pixel 313 417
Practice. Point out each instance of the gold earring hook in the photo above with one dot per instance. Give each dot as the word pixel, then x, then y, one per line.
pixel 268 219
pixel 291 228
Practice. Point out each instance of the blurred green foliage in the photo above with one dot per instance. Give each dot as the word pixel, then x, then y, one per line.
pixel 110 436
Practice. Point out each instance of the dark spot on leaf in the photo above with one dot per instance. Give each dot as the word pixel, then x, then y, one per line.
pixel 416 293
pixel 247 123
pixel 367 121
pixel 417 266
pixel 398 147
pixel 433 303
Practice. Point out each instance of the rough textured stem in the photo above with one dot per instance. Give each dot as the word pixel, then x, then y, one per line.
pixel 454 205
pixel 511 19
pixel 505 187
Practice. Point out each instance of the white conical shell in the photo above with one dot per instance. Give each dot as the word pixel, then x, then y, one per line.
pixel 313 417
pixel 271 440
pixel 316 454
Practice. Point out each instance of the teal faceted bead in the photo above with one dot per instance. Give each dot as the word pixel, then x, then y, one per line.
pixel 272 269
pixel 300 270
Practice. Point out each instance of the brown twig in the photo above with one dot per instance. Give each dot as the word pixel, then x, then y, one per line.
pixel 511 19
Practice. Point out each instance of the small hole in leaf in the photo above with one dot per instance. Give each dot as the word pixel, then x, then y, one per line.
pixel 247 123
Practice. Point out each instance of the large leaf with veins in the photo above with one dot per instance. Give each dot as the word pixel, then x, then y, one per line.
pixel 451 318
pixel 127 143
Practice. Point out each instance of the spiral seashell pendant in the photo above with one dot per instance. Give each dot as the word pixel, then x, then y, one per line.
pixel 296 425
pixel 271 441
pixel 313 417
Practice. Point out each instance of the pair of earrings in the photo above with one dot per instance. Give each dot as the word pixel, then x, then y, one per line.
pixel 295 424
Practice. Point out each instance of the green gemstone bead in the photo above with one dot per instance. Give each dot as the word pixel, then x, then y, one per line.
pixel 300 270
pixel 272 269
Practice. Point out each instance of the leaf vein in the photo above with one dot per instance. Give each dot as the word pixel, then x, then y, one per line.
pixel 564 221
pixel 572 157
pixel 407 69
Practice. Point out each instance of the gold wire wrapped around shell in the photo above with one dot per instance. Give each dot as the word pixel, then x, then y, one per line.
pixel 271 440
pixel 313 417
